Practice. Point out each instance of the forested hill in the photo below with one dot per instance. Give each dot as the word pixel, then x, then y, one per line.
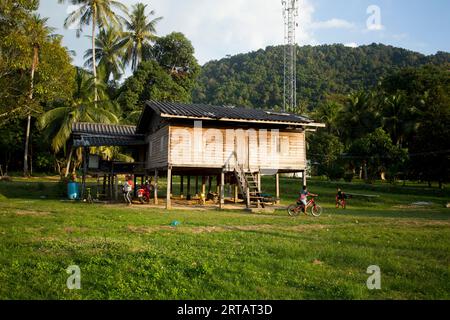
pixel 255 79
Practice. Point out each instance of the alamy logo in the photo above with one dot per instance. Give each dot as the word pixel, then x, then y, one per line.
pixel 74 280
pixel 374 281
pixel 374 20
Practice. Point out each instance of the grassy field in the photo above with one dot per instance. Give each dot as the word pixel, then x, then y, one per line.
pixel 134 253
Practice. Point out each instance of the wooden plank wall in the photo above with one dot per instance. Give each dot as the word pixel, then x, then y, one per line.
pixel 158 146
pixel 212 148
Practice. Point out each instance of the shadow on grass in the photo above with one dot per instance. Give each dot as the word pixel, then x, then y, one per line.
pixel 32 190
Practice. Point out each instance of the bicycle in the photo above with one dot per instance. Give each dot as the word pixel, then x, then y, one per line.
pixel 295 209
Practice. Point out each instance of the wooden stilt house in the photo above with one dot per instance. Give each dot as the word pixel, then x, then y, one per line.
pixel 236 145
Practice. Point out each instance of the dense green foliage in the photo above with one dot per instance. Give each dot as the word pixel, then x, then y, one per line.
pixel 397 129
pixel 34 69
pixel 149 82
pixel 255 79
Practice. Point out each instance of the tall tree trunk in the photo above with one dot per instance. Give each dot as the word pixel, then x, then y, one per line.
pixel 68 162
pixel 94 63
pixel 366 176
pixel 30 97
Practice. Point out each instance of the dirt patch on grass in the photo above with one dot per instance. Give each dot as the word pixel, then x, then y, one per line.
pixel 136 229
pixel 75 229
pixel 317 262
pixel 31 213
pixel 421 223
pixel 213 229
pixel 413 207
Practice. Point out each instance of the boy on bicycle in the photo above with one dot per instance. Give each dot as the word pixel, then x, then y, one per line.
pixel 303 199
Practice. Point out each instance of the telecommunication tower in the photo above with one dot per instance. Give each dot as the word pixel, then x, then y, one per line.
pixel 290 13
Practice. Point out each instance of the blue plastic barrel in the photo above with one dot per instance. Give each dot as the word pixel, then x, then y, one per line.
pixel 72 190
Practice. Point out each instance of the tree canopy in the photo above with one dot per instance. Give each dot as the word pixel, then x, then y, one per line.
pixel 255 79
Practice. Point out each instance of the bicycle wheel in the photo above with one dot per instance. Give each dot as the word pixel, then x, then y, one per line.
pixel 293 210
pixel 316 210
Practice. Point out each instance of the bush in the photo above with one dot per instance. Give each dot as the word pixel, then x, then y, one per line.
pixel 348 177
pixel 335 172
pixel 44 162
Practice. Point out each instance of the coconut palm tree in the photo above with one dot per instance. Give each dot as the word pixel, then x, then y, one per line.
pixel 327 113
pixel 140 32
pixel 97 13
pixel 399 119
pixel 38 31
pixel 108 53
pixel 359 116
pixel 82 107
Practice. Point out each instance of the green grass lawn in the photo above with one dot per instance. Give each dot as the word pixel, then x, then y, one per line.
pixel 134 253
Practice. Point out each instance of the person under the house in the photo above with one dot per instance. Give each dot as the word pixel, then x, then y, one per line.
pixel 127 188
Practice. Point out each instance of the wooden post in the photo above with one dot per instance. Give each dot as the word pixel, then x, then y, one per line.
pixel 304 177
pixel 218 184
pixel 182 186
pixel 236 194
pixel 196 186
pixel 155 189
pixel 248 197
pixel 204 185
pixel 171 183
pixel 209 183
pixel 258 175
pixel 109 187
pixel 169 178
pixel 104 186
pixel 85 166
pixel 188 196
pixel 277 188
pixel 222 190
pixel 116 188
pixel 203 195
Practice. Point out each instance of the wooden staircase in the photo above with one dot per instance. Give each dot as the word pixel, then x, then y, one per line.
pixel 248 186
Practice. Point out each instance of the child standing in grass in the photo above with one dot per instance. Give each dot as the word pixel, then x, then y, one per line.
pixel 127 188
pixel 340 198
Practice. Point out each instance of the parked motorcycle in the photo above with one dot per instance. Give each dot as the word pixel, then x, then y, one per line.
pixel 143 193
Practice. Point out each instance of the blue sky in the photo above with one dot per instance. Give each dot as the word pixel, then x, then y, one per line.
pixel 218 28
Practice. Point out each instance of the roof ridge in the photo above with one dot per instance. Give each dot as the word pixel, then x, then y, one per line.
pixel 107 124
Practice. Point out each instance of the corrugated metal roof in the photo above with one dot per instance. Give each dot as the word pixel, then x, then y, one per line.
pixel 103 129
pixel 99 141
pixel 224 112
pixel 99 134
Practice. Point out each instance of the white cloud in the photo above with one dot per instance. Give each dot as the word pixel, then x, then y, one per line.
pixel 375 27
pixel 333 24
pixel 217 28
pixel 351 45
